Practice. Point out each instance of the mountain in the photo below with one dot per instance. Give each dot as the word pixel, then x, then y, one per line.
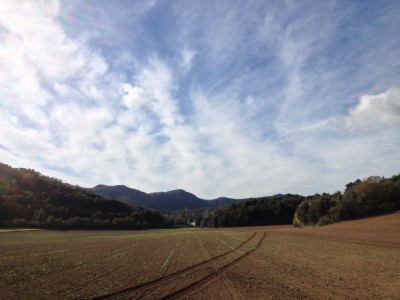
pixel 162 201
pixel 30 199
pixel 124 194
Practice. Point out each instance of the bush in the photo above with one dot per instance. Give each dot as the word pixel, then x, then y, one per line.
pixel 324 221
pixel 296 220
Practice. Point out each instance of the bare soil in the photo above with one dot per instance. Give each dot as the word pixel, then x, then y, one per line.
pixel 348 260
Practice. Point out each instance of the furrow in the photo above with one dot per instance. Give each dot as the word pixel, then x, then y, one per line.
pixel 198 285
pixel 122 293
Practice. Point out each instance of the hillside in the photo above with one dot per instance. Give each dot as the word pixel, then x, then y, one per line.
pixel 30 199
pixel 362 198
pixel 272 210
pixel 161 201
pixel 124 194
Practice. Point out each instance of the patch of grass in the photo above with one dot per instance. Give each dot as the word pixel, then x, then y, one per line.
pixel 18 229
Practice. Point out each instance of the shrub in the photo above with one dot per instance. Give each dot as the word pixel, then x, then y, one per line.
pixel 324 221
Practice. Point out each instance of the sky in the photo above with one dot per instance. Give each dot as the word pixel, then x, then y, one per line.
pixel 220 98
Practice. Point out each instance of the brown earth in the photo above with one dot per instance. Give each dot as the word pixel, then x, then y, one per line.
pixel 381 230
pixel 348 260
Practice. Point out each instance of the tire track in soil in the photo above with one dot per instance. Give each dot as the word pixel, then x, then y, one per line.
pixel 216 269
pixel 198 285
pixel 227 283
pixel 155 282
pixel 168 259
pixel 232 291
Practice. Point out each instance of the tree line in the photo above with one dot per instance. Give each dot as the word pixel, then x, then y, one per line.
pixel 274 210
pixel 30 199
pixel 361 198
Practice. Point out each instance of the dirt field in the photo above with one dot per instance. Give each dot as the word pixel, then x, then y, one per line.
pixel 349 260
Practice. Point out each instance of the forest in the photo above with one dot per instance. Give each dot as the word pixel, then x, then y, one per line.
pixel 30 199
pixel 362 198
pixel 274 210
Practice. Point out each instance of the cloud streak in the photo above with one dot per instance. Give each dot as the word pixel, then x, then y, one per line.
pixel 219 98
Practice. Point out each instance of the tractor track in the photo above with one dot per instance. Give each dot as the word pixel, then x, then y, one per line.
pixel 227 283
pixel 125 292
pixel 198 285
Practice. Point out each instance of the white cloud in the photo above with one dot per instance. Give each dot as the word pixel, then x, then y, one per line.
pixel 37 41
pixel 336 154
pixel 134 97
pixel 187 59
pixel 49 79
pixel 157 80
pixel 375 110
pixel 244 101
pixel 235 156
pixel 37 54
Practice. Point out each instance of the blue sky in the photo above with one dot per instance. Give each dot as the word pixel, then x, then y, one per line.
pixel 220 98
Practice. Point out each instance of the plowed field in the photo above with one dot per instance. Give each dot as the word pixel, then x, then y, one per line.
pixel 349 260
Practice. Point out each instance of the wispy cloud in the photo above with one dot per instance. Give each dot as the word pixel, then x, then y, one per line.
pixel 220 98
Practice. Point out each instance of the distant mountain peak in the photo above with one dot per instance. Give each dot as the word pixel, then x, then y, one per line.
pixel 98 186
pixel 172 200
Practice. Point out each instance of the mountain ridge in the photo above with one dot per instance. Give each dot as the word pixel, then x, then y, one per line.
pixel 162 201
pixel 29 199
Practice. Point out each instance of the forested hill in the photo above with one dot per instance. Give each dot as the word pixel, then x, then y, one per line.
pixel 361 198
pixel 161 201
pixel 273 210
pixel 30 199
